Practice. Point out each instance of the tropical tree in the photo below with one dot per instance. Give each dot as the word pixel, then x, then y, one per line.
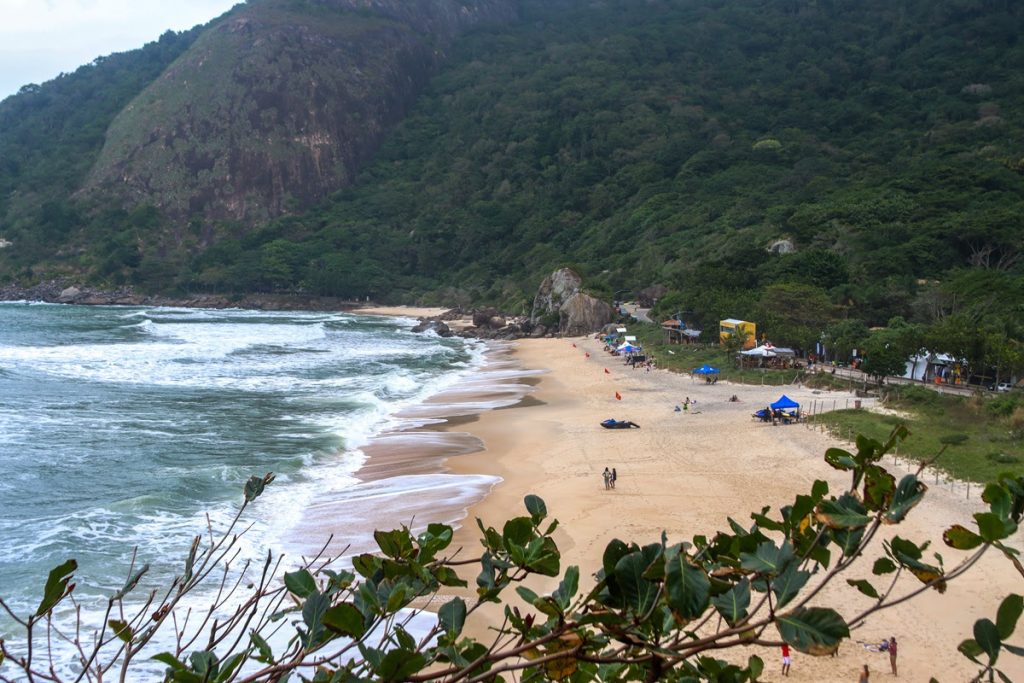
pixel 884 355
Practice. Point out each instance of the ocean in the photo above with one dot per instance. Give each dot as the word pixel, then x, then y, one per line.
pixel 123 430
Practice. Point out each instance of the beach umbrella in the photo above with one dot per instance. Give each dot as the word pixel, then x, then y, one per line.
pixel 706 370
pixel 628 348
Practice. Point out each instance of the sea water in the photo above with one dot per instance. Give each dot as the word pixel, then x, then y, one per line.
pixel 125 431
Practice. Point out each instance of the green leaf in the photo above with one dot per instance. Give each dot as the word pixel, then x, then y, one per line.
pixel 768 559
pixel 789 584
pixel 864 587
pixel 961 538
pixel 908 494
pixel 517 531
pixel 229 666
pixel 879 486
pixel 300 583
pixel 848 540
pixel 399 664
pixel 845 512
pixel 255 486
pixel 813 630
pixel 613 552
pixel 312 615
pixel 266 655
pixel 840 459
pixel 121 630
pixel 908 555
pixel 688 587
pixel 993 527
pixel 452 615
pixel 171 661
pixel 203 662
pixel 638 592
pixel 734 603
pixel 56 586
pixel 131 583
pixel 883 565
pixel 970 649
pixel 344 619
pixel 396 543
pixel 191 560
pixel 756 666
pixel 987 636
pixel 998 499
pixel 568 587
pixel 1009 612
pixel 536 507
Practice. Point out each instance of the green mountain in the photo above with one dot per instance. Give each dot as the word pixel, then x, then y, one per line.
pixel 775 158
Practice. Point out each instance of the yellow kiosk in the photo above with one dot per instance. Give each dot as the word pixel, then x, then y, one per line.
pixel 731 326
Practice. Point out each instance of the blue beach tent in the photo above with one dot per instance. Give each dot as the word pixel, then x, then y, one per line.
pixel 705 370
pixel 784 403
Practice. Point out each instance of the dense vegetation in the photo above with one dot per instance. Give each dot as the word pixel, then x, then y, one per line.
pixel 50 135
pixel 677 142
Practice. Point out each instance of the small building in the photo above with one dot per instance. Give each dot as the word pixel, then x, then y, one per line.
pixel 731 326
pixel 676 332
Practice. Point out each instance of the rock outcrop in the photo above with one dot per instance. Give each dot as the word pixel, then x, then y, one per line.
pixel 578 313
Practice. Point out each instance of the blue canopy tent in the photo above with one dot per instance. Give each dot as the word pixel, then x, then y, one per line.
pixel 784 403
pixel 705 370
pixel 628 348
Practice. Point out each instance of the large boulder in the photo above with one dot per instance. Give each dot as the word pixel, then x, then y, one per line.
pixel 559 297
pixel 583 314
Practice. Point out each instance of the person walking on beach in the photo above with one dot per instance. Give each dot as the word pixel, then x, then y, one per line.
pixel 615 476
pixel 892 655
pixel 785 659
pixel 864 674
pixel 607 475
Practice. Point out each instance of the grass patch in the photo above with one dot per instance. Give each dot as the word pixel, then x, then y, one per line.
pixel 988 450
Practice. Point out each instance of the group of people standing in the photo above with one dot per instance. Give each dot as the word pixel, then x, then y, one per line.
pixel 609 478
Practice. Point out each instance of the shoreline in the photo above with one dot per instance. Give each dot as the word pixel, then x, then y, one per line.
pixel 686 474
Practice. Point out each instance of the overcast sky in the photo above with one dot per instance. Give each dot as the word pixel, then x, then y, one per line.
pixel 40 39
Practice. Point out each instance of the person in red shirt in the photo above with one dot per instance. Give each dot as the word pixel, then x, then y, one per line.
pixel 785 659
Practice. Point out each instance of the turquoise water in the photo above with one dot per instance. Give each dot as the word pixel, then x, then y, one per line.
pixel 122 428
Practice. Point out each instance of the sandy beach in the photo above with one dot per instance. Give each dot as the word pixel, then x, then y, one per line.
pixel 686 473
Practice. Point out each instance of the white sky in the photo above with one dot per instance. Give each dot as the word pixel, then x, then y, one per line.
pixel 40 39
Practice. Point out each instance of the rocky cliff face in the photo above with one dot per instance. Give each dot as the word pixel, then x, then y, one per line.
pixel 278 103
pixel 578 313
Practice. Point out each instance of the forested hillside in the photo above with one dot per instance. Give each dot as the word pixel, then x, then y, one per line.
pixel 800 162
pixel 50 136
pixel 674 142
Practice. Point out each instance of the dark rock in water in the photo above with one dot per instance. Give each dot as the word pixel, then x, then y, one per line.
pixel 438 327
